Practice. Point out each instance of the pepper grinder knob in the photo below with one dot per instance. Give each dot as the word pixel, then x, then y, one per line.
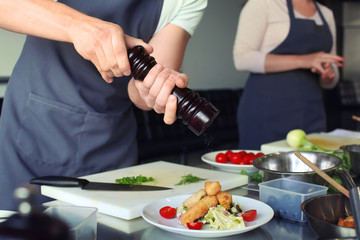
pixel 195 111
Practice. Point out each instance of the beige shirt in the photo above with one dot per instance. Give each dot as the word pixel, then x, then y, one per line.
pixel 264 25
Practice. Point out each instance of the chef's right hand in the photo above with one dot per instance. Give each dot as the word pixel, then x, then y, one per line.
pixel 105 45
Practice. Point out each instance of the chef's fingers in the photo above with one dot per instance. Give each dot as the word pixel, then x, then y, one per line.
pixel 170 110
pixel 164 93
pixel 132 42
pixel 181 80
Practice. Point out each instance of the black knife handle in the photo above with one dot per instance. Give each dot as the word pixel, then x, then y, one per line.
pixel 59 181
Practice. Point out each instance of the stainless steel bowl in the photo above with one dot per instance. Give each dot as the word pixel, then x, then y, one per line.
pixel 287 164
pixel 323 213
pixel 352 152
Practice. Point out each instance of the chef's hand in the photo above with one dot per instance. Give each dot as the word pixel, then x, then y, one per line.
pixel 105 45
pixel 320 62
pixel 155 90
pixel 326 77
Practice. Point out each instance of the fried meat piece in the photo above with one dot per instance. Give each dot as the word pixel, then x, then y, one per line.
pixel 199 209
pixel 224 199
pixel 347 222
pixel 212 188
pixel 194 198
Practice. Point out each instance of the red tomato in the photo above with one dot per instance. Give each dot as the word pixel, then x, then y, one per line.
pixel 195 225
pixel 259 154
pixel 235 158
pixel 228 154
pixel 221 158
pixel 242 153
pixel 245 160
pixel 249 215
pixel 167 212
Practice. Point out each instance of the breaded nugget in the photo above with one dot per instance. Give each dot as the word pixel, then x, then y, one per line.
pixel 199 209
pixel 194 198
pixel 212 188
pixel 224 199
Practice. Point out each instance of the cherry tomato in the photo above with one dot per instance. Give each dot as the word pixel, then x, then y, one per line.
pixel 195 225
pixel 242 153
pixel 245 160
pixel 228 154
pixel 249 215
pixel 167 212
pixel 259 154
pixel 221 158
pixel 235 158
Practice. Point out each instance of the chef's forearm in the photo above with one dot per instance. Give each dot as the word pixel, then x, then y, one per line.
pixel 41 18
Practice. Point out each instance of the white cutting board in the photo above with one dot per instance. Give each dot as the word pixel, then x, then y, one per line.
pixel 128 205
pixel 322 140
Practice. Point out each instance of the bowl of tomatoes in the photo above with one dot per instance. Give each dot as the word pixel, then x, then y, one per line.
pixel 235 161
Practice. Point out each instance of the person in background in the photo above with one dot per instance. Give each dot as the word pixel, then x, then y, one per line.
pixel 68 104
pixel 289 48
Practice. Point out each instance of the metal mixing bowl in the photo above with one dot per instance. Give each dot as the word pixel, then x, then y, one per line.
pixel 352 152
pixel 323 213
pixel 287 164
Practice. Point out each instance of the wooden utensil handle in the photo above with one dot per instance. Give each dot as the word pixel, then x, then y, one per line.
pixel 323 174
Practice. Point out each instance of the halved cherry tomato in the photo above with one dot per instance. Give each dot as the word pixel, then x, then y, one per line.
pixel 249 215
pixel 221 158
pixel 195 225
pixel 167 212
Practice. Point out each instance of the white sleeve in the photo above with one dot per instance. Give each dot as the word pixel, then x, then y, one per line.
pixel 329 17
pixel 184 13
pixel 250 33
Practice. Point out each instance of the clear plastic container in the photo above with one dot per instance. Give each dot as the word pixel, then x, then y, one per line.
pixel 285 196
pixel 81 220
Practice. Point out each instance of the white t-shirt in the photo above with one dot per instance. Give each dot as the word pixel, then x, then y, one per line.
pixel 264 25
pixel 184 13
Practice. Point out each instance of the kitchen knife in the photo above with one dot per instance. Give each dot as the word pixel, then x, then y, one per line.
pixel 63 181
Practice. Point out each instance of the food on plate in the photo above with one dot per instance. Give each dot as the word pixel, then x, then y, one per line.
pixel 187 179
pixel 249 215
pixel 219 211
pixel 194 198
pixel 168 212
pixel 237 157
pixel 212 188
pixel 225 199
pixel 199 209
pixel 347 222
pixel 134 180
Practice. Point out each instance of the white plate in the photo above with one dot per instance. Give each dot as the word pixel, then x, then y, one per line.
pixel 209 158
pixel 151 214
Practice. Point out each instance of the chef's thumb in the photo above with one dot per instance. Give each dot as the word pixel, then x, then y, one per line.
pixel 132 42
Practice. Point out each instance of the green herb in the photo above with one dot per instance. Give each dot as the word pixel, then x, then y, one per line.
pixel 243 172
pixel 138 180
pixel 187 179
pixel 256 178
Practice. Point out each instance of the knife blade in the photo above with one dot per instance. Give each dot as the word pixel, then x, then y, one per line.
pixel 64 181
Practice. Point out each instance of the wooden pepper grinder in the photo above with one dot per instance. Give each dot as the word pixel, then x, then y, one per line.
pixel 195 111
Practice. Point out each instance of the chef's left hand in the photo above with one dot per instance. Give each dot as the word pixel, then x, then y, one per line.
pixel 155 90
pixel 327 75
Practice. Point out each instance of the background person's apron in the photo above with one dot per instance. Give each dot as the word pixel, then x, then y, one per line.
pixel 59 116
pixel 275 103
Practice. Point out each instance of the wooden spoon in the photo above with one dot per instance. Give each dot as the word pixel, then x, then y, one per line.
pixel 323 175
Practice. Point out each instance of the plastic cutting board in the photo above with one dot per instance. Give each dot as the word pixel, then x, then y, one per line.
pixel 128 205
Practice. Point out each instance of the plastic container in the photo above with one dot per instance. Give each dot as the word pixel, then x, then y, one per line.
pixel 81 220
pixel 285 196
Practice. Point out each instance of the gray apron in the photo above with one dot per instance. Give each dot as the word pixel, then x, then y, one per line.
pixel 59 117
pixel 275 103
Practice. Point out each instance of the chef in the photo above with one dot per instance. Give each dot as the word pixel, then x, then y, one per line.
pixel 68 104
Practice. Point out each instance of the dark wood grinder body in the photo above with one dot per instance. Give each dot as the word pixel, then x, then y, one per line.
pixel 195 111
